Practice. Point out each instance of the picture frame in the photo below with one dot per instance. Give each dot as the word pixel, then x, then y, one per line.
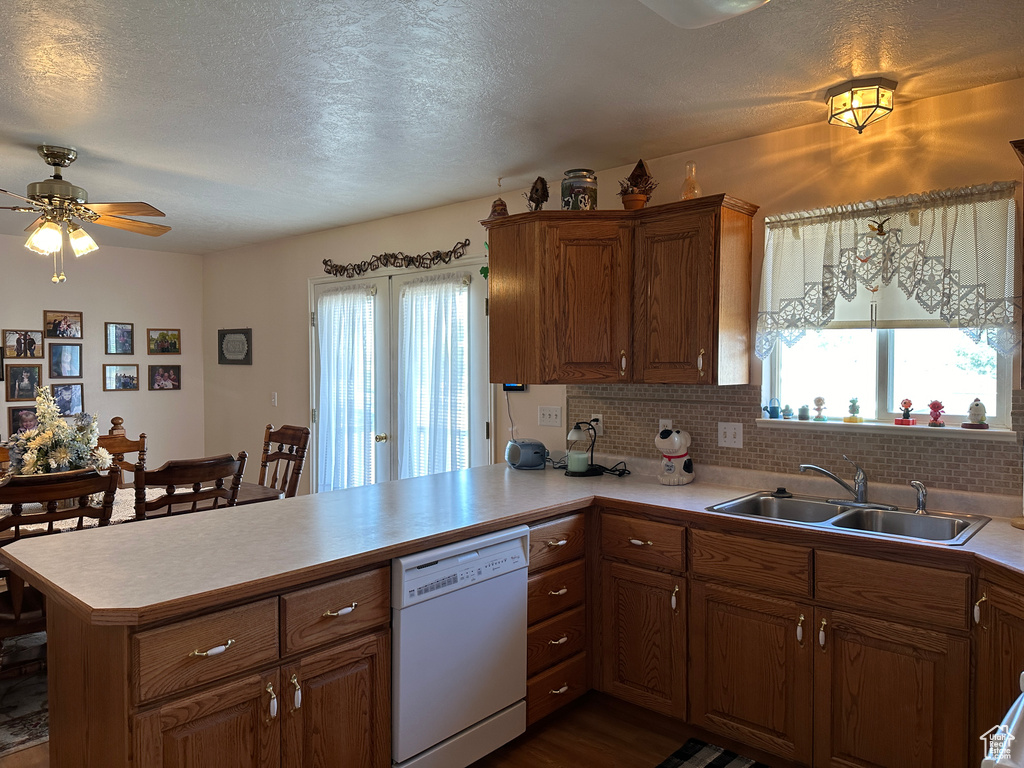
pixel 65 361
pixel 17 422
pixel 234 346
pixel 31 339
pixel 22 381
pixel 62 324
pixel 68 398
pixel 164 377
pixel 119 338
pixel 120 378
pixel 163 341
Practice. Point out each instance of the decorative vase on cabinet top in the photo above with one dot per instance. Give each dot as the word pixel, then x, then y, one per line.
pixel 579 190
pixel 691 187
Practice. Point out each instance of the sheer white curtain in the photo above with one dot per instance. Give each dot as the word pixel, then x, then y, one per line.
pixel 433 375
pixel 345 412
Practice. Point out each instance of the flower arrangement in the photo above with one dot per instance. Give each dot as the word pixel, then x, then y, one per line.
pixel 54 445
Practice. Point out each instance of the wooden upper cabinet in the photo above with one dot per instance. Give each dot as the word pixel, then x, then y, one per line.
pixel 658 295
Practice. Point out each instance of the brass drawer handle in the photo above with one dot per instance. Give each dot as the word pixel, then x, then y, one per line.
pixel 297 700
pixel 559 593
pixel 821 633
pixel 675 604
pixel 977 608
pixel 215 651
pixel 622 362
pixel 273 700
pixel 559 543
pixel 341 611
pixel 700 364
pixel 559 691
pixel 560 641
pixel 800 630
pixel 640 543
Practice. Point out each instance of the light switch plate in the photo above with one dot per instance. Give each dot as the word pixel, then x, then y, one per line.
pixel 549 416
pixel 730 434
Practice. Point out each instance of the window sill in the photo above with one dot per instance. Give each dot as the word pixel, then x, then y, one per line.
pixel 952 432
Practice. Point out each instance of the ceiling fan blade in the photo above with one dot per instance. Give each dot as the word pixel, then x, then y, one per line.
pixel 26 199
pixel 18 208
pixel 124 209
pixel 34 224
pixel 139 227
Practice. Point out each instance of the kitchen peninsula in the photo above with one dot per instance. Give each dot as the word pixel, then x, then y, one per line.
pixel 180 639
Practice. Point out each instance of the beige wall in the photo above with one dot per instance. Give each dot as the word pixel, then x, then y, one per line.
pixel 953 140
pixel 125 285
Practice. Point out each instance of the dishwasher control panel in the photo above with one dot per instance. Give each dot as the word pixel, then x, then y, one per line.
pixel 436 572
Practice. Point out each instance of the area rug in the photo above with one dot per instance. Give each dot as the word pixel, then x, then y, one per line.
pixel 24 716
pixel 700 754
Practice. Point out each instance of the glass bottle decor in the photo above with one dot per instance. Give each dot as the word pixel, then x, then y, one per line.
pixel 691 187
pixel 579 190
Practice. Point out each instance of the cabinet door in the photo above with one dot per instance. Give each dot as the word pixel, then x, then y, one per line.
pixel 232 726
pixel 676 315
pixel 336 707
pixel 585 285
pixel 888 695
pixel 644 637
pixel 750 677
pixel 1000 660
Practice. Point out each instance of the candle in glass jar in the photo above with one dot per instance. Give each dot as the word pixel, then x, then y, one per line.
pixel 578 461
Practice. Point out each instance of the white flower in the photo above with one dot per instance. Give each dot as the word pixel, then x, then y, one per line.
pixel 103 458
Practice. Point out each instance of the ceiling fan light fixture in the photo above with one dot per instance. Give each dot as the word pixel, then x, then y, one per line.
pixel 859 103
pixel 694 14
pixel 81 242
pixel 46 238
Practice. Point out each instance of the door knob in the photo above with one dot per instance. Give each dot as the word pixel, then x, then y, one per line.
pixel 381 438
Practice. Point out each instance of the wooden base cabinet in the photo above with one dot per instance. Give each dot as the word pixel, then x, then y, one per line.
pixel 751 676
pixel 644 637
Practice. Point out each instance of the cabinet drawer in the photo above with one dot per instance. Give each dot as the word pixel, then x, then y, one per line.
pixel 767 566
pixel 895 590
pixel 555 688
pixel 166 659
pixel 556 639
pixel 555 590
pixel 556 542
pixel 303 620
pixel 643 542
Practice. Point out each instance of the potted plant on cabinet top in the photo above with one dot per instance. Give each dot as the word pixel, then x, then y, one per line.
pixel 637 188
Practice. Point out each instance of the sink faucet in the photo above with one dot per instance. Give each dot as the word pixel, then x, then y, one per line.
pixel 859 489
pixel 922 496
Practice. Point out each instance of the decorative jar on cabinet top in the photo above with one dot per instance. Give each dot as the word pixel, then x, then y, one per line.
pixel 579 190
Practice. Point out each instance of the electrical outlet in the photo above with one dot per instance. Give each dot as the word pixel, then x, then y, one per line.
pixel 549 416
pixel 730 434
pixel 598 421
pixel 664 424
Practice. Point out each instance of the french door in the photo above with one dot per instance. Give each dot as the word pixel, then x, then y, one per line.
pixel 399 377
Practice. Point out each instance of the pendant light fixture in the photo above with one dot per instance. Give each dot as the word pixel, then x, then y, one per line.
pixel 45 239
pixel 859 103
pixel 48 239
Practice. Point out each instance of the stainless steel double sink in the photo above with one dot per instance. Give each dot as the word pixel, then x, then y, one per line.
pixel 935 527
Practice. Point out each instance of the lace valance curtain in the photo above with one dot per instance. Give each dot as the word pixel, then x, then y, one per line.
pixel 939 259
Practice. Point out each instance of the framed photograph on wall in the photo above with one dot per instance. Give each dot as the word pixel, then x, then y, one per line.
pixel 21 417
pixel 22 381
pixel 164 377
pixel 62 324
pixel 68 398
pixel 120 378
pixel 23 345
pixel 120 338
pixel 65 361
pixel 163 341
pixel 234 346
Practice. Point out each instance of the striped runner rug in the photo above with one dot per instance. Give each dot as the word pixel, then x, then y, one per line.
pixel 699 754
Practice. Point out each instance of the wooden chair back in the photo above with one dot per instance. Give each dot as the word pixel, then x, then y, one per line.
pixel 22 608
pixel 281 466
pixel 5 459
pixel 190 485
pixel 119 445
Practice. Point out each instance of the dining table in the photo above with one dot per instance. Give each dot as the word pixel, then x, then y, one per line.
pixel 123 511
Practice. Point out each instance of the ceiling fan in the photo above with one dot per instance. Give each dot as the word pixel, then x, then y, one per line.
pixel 60 203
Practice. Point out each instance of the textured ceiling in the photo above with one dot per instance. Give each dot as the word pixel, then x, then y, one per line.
pixel 251 120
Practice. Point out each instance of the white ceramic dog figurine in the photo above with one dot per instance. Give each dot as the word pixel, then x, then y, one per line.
pixel 676 464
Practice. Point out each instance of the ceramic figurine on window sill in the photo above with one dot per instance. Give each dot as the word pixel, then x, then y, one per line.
pixel 819 406
pixel 787 412
pixel 804 413
pixel 906 404
pixel 976 416
pixel 854 417
pixel 935 408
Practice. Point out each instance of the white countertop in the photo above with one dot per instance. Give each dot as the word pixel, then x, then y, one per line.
pixel 139 571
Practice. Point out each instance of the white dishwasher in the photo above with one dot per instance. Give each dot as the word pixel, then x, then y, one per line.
pixel 459 650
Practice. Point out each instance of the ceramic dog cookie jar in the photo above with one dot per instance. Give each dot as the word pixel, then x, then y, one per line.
pixel 676 464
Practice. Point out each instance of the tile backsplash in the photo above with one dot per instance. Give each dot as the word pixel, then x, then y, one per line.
pixel 631 413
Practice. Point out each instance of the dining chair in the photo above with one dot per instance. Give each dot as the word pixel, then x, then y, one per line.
pixel 36 503
pixel 190 485
pixel 118 444
pixel 280 468
pixel 5 459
